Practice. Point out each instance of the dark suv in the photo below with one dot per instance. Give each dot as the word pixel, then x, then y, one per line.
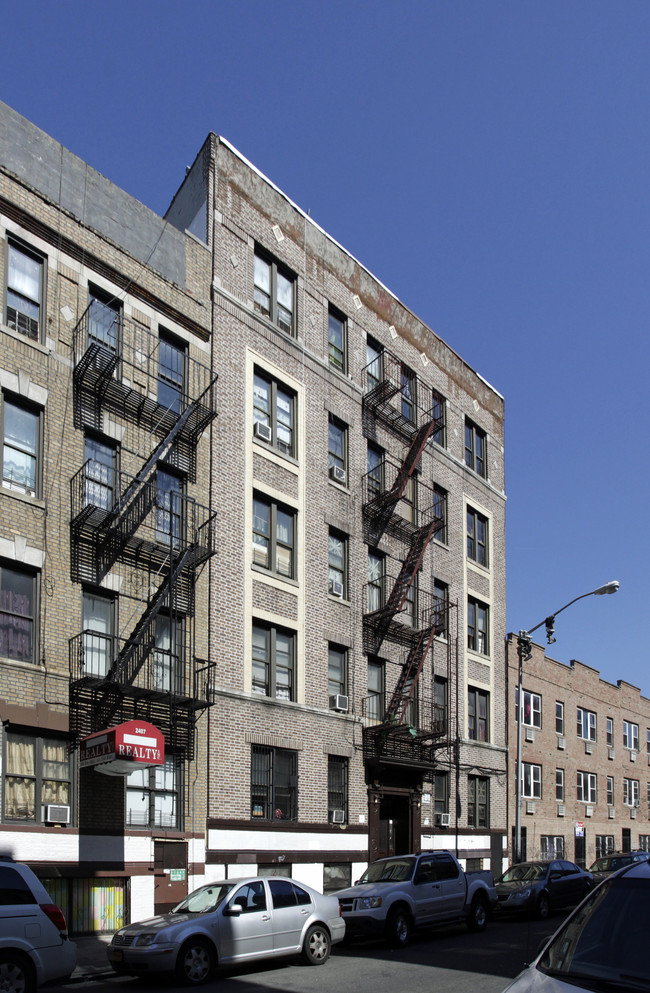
pixel 34 944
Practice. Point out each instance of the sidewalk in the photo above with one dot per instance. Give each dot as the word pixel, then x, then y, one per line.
pixel 91 956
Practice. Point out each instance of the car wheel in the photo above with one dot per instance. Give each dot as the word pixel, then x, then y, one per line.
pixel 17 973
pixel 398 927
pixel 317 945
pixel 478 915
pixel 195 962
pixel 543 907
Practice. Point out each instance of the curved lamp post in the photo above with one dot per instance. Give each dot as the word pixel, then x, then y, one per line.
pixel 524 653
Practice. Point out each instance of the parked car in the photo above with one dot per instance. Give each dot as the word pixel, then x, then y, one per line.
pixel 34 943
pixel 230 921
pixel 602 946
pixel 396 894
pixel 602 867
pixel 538 887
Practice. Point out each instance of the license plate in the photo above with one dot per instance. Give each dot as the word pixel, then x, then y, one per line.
pixel 117 955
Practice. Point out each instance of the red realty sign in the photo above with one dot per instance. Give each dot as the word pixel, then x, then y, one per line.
pixel 120 750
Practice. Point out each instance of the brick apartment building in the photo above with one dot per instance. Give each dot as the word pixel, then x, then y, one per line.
pixel 302 600
pixel 585 760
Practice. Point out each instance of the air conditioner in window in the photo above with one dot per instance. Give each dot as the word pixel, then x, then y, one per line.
pixel 561 742
pixel 530 806
pixel 530 734
pixel 610 753
pixel 561 810
pixel 337 474
pixel 443 820
pixel 339 702
pixel 632 756
pixel 589 747
pixel 589 811
pixel 336 589
pixel 263 431
pixel 57 813
pixel 337 816
pixel 633 812
pixel 611 813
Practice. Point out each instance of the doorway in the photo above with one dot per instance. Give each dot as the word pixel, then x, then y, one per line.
pixel 394 823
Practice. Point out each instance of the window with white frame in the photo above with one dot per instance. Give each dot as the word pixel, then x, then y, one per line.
pixel 559 785
pixel 531 781
pixel 440 607
pixel 337 561
pixel 336 339
pixel 337 450
pixel 22 445
pixel 440 513
pixel 532 709
pixel 586 787
pixel 604 845
pixel 152 795
pixel 441 792
pixel 273 537
pixel 477 537
pixel 100 472
pixel 478 626
pixel 610 791
pixel 376 581
pixel 105 320
pixel 18 612
pixel 274 292
pixel 551 846
pixel 631 796
pixel 374 372
pixel 475 448
pixel 36 773
pixel 644 842
pixel 337 671
pixel 24 302
pixel 630 735
pixel 408 382
pixel 274 652
pixel 439 417
pixel 559 717
pixel 376 688
pixel 610 732
pixel 586 724
pixel 274 413
pixel 648 741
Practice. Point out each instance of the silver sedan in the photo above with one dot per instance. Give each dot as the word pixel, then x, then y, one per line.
pixel 228 922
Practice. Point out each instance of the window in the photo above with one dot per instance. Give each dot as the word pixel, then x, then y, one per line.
pixel 409 611
pixel 440 700
pixel 274 777
pixel 531 781
pixel 22 446
pixel 375 581
pixel 586 724
pixel 336 337
pixel 104 320
pixel 477 627
pixel 375 474
pixel 475 449
pixel 273 537
pixel 337 788
pixel 337 450
pixel 477 537
pixel 283 894
pixel 36 773
pixel 169 654
pixel 532 715
pixel 24 291
pixel 610 732
pixel 98 629
pixel 604 845
pixel 337 666
pixel 274 292
pixel 586 787
pixel 631 796
pixel 559 717
pixel 337 559
pixel 172 358
pixel 648 741
pixel 18 613
pixel 408 394
pixel 273 662
pixel 441 792
pixel 375 703
pixel 478 792
pixel 551 846
pixel 170 491
pixel 644 842
pixel 438 414
pixel 100 473
pixel 440 607
pixel 374 372
pixel 630 735
pixel 478 715
pixel 610 791
pixel 152 796
pixel 274 414
pixel 440 513
pixel 407 505
pixel 559 785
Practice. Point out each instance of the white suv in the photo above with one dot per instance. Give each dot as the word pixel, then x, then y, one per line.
pixel 34 944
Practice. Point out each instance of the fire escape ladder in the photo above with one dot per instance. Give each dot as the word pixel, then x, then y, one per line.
pixel 387 501
pixel 103 363
pixel 409 676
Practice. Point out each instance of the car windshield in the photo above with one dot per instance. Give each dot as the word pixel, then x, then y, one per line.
pixel 610 863
pixel 525 872
pixel 204 899
pixel 606 938
pixel 388 871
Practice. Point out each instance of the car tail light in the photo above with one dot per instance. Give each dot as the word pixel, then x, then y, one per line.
pixel 55 914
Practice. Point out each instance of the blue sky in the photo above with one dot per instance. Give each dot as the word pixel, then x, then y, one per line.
pixel 486 159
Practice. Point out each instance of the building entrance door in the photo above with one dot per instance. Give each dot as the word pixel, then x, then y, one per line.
pixel 170 880
pixel 394 826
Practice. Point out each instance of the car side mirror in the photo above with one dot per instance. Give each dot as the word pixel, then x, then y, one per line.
pixel 233 910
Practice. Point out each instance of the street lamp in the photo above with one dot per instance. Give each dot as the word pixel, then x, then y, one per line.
pixel 524 653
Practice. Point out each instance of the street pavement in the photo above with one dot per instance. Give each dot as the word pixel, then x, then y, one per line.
pixel 91 957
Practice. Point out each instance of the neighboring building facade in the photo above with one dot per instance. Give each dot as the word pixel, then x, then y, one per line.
pixel 585 760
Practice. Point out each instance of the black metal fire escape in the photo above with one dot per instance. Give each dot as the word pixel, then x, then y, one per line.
pixel 163 537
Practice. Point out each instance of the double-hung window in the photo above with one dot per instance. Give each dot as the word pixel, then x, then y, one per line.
pixel 274 292
pixel 408 384
pixel 478 626
pixel 105 320
pixel 98 633
pixel 376 580
pixel 337 673
pixel 274 651
pixel 18 613
pixel 274 783
pixel 531 781
pixel 559 717
pixel 336 339
pixel 36 773
pixel 532 714
pixel 376 677
pixel 152 796
pixel 609 731
pixel 477 537
pixel 610 791
pixel 170 505
pixel 552 846
pixel 440 607
pixel 586 787
pixel 337 450
pixel 375 474
pixel 440 513
pixel 559 785
pixel 440 701
pixel 169 654
pixel 604 845
pixel 22 446
pixel 478 805
pixel 172 360
pixel 441 792
pixel 337 558
pixel 631 795
pixel 100 473
pixel 475 449
pixel 439 417
pixel 274 414
pixel 478 715
pixel 273 537
pixel 631 736
pixel 586 720
pixel 337 788
pixel 24 305
pixel 374 372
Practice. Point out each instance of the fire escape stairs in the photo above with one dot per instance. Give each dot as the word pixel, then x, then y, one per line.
pixel 385 503
pixel 104 362
pixel 399 703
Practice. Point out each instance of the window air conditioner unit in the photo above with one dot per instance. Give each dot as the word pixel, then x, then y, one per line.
pixel 336 589
pixel 443 820
pixel 589 811
pixel 589 747
pixel 530 734
pixel 337 816
pixel 263 431
pixel 610 753
pixel 339 702
pixel 633 812
pixel 337 474
pixel 530 806
pixel 561 810
pixel 57 813
pixel 561 742
pixel 611 813
pixel 632 756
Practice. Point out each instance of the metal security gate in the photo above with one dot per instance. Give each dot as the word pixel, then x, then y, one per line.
pixel 90 906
